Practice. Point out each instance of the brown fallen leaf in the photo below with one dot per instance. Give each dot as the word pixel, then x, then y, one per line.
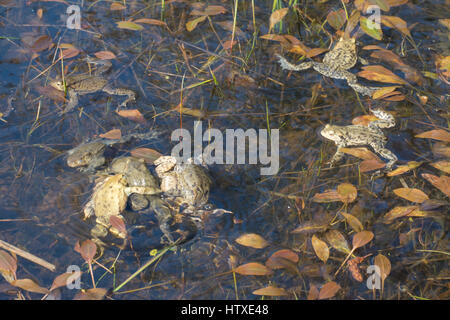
pixel 276 17
pixel 91 294
pixel 405 168
pixel 275 261
pixel 336 19
pixel 380 93
pixel 362 153
pixel 153 22
pixel 29 285
pixel 119 225
pixel 361 239
pixel 210 10
pixel 253 269
pixel 105 55
pixel 112 134
pixel 347 192
pixel 117 6
pixel 381 74
pixel 62 279
pixel 129 25
pixel 192 24
pixel 398 212
pixel 149 155
pixel 437 134
pixel 396 23
pixel 320 248
pixel 133 115
pixel 327 196
pixel 370 165
pixel 384 265
pixel 354 222
pixel 411 194
pixel 252 240
pixel 309 227
pixel 442 165
pixel 271 291
pixel 337 241
pixel 313 293
pixel 329 290
pixel 87 249
pixel 8 266
pixel 442 182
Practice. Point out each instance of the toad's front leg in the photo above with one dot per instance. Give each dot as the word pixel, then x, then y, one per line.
pixel 73 102
pixel 336 157
pixel 286 65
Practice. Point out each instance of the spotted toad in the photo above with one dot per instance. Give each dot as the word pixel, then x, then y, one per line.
pixel 359 135
pixel 335 64
pixel 81 84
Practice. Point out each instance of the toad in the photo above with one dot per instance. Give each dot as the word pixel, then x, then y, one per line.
pixel 359 135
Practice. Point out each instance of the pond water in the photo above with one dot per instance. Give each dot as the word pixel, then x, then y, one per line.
pixel 220 65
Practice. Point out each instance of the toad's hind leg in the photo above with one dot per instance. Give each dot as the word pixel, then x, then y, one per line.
pixel 385 153
pixel 73 102
pixel 286 65
pixel 121 92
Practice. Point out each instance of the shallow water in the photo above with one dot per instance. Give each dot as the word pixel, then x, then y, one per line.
pixel 43 198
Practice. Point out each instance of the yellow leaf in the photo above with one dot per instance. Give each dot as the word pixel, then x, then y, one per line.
pixel 320 248
pixel 271 291
pixel 253 269
pixel 411 194
pixel 442 183
pixel 442 165
pixel 277 16
pixel 353 222
pixel 347 192
pixel 133 115
pixel 437 134
pixel 381 74
pixel 383 91
pixel 129 25
pixel 192 24
pixel 29 285
pixel 252 240
pixel 402 169
pixel 396 23
pixel 362 238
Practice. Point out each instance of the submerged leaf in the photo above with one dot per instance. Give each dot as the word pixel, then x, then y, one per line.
pixel 253 269
pixel 347 192
pixel 337 241
pixel 129 25
pixel 271 291
pixel 442 182
pixel 277 259
pixel 381 74
pixel 329 290
pixel 362 238
pixel 277 16
pixel 91 294
pixel 336 19
pixel 252 240
pixel 192 24
pixel 437 134
pixel 320 248
pixel 29 285
pixel 411 194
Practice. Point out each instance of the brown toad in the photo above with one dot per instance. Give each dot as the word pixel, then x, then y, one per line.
pixel 358 135
pixel 335 64
pixel 110 199
pixel 187 180
pixel 81 84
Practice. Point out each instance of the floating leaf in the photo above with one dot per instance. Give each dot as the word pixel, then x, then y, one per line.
pixel 112 134
pixel 271 291
pixel 129 25
pixel 362 153
pixel 398 212
pixel 396 23
pixel 442 165
pixel 87 250
pixel 105 55
pixel 327 196
pixel 442 182
pixel 329 290
pixel 70 53
pixel 371 28
pixel 311 227
pixel 437 134
pixel 405 168
pixel 133 115
pixel 91 294
pixel 62 279
pixel 277 16
pixel 383 91
pixel 253 269
pixel 362 238
pixel 337 241
pixel 29 285
pixel 277 259
pixel 7 262
pixel 336 19
pixel 384 264
pixel 347 192
pixel 42 43
pixel 411 194
pixel 320 248
pixel 381 74
pixel 192 24
pixel 370 165
pixel 353 222
pixel 313 293
pixel 149 155
pixel 119 225
pixel 151 21
pixel 252 240
pixel 117 6
pixel 209 11
pixel 443 66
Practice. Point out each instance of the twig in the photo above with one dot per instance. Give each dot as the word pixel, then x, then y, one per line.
pixel 26 255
